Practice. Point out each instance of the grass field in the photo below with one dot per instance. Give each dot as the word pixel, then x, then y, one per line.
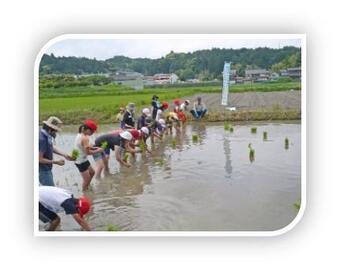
pixel 101 103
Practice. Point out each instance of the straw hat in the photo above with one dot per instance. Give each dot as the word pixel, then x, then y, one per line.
pixel 131 105
pixel 53 122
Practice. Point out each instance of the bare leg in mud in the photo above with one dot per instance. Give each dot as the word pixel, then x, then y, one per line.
pixel 54 224
pixel 106 165
pixel 87 177
pixel 99 168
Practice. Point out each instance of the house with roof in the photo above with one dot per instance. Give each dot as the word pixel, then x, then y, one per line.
pixel 257 75
pixel 165 78
pixel 128 78
pixel 294 73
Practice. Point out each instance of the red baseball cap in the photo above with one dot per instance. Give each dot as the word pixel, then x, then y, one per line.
pixel 84 205
pixel 165 104
pixel 135 133
pixel 91 124
pixel 177 102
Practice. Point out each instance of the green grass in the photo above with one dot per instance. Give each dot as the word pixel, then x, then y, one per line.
pixel 119 90
pixel 101 103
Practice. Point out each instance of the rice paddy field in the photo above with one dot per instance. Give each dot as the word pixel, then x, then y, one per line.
pixel 73 104
pixel 206 178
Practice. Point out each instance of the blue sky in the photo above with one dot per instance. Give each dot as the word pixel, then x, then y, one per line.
pixel 155 48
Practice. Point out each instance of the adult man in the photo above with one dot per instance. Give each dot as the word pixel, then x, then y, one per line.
pixel 155 106
pixel 53 200
pixel 46 149
pixel 129 116
pixel 199 109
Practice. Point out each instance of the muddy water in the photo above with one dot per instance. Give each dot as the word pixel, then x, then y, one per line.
pixel 206 185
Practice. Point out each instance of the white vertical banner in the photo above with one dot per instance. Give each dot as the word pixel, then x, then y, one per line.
pixel 225 89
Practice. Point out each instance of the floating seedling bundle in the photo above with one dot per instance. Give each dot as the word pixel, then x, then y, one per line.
pixel 194 137
pixel 253 130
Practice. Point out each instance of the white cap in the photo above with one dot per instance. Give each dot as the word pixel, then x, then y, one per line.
pixel 146 111
pixel 126 135
pixel 145 130
pixel 162 122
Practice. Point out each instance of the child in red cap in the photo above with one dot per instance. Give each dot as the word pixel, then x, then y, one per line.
pixel 84 148
pixel 53 200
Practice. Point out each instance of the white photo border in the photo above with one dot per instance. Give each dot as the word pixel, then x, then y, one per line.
pixel 281 231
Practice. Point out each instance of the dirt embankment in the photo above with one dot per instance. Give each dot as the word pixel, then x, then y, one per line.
pixel 252 106
pixel 251 101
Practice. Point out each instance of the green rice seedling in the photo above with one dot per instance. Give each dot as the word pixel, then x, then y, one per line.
pixel 265 135
pixel 227 126
pixel 142 145
pixel 231 129
pixel 173 142
pixel 160 161
pixel 126 157
pixel 297 205
pixel 286 143
pixel 253 130
pixel 112 228
pixel 104 145
pixel 251 153
pixel 75 154
pixel 194 137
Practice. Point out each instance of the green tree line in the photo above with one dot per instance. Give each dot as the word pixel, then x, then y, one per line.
pixel 202 64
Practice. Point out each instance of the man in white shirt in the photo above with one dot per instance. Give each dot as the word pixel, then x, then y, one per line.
pixel 199 109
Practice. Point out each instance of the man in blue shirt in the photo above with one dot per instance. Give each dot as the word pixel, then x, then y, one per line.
pixel 155 106
pixel 46 149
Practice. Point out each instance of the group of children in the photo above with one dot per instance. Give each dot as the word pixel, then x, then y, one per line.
pixel 129 139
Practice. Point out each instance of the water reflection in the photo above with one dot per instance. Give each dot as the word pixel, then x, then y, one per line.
pixel 184 187
pixel 227 151
pixel 200 129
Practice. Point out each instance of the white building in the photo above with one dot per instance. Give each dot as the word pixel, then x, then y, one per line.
pixel 162 78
